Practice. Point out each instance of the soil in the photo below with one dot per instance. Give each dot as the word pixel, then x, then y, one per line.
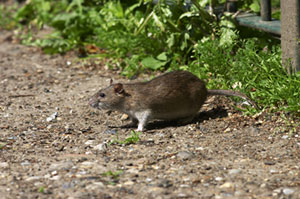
pixel 53 145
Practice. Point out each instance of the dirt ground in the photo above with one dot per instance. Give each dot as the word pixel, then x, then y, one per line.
pixel 53 145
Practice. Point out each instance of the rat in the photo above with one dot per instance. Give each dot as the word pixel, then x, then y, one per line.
pixel 176 95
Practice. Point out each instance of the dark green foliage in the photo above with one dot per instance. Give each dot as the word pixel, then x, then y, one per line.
pixel 168 35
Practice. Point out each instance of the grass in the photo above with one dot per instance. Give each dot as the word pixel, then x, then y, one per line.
pixel 134 138
pixel 147 37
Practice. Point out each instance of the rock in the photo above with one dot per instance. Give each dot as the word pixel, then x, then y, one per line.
pixel 55 178
pixel 4 164
pixel 234 171
pixel 253 131
pixel 185 155
pixel 269 163
pixel 218 178
pixel 61 166
pixel 227 186
pixel 52 117
pixel 165 183
pixel 124 117
pixel 128 183
pixel 285 137
pixel 111 131
pixel 26 163
pixel 89 142
pixel 288 191
pixel 101 147
pixel 33 178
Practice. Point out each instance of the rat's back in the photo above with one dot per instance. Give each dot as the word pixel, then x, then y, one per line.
pixel 174 95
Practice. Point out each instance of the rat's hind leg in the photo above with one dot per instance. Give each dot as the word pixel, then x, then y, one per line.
pixel 142 117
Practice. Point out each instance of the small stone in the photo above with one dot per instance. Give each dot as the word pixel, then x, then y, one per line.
pixel 185 155
pixel 4 164
pixel 61 166
pixel 182 195
pixel 54 173
pixel 234 171
pixel 227 185
pixel 288 191
pixel 263 185
pixel 148 179
pixel 39 71
pixel 276 192
pixel 55 178
pixel 218 178
pixel 25 163
pixel 101 147
pixel 129 183
pixel 87 165
pixel 269 163
pixel 111 131
pixel 124 117
pixel 52 117
pixel 89 142
pixel 273 171
pixel 165 183
pixel 33 178
pixel 285 137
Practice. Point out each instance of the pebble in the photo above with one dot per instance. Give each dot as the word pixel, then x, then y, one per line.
pixel 3 165
pixel 52 117
pixel 288 191
pixel 61 166
pixel 33 178
pixel 218 178
pixel 285 137
pixel 124 117
pixel 87 164
pixel 128 183
pixel 227 185
pixel 111 131
pixel 185 155
pixel 89 142
pixel 26 163
pixel 101 147
pixel 234 171
pixel 55 178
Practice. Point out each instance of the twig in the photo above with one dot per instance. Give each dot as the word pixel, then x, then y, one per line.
pixel 15 96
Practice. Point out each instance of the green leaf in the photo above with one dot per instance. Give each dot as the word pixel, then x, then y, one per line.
pixel 228 36
pixel 152 63
pixel 162 56
pixel 255 6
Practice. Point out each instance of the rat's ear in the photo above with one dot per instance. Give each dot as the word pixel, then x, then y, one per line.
pixel 111 81
pixel 119 88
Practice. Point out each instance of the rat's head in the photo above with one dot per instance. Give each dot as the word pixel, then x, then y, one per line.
pixel 110 98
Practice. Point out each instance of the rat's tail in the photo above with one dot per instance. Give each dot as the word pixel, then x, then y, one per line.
pixel 232 93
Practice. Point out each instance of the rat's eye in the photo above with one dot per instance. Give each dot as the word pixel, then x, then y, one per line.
pixel 102 95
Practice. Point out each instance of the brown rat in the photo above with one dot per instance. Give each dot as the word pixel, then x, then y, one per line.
pixel 176 95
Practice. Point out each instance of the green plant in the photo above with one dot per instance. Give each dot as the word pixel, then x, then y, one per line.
pixel 42 189
pixel 114 175
pixel 134 138
pixel 2 145
pixel 259 73
pixel 7 20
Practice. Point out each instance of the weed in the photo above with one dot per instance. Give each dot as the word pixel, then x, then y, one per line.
pixel 114 175
pixel 134 138
pixel 2 145
pixel 7 20
pixel 41 189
